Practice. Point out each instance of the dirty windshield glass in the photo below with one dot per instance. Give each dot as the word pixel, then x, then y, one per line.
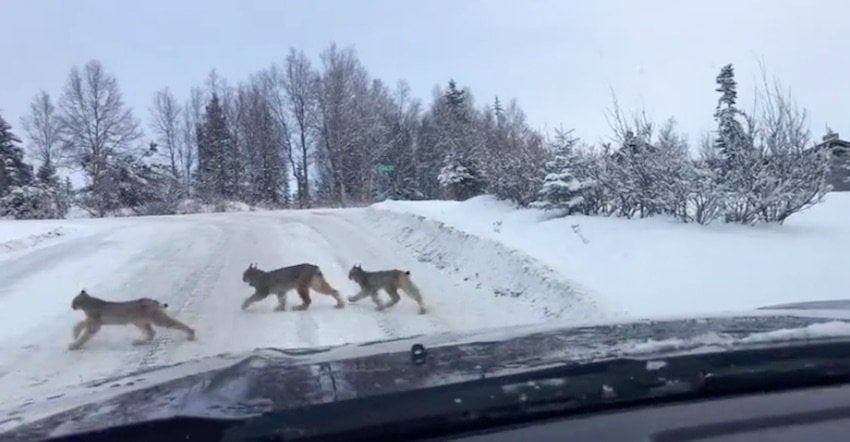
pixel 184 185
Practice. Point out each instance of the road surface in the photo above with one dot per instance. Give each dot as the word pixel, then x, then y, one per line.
pixel 194 263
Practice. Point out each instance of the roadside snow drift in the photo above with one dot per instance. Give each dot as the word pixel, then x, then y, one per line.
pixel 657 266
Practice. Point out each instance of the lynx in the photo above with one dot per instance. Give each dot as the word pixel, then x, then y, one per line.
pixel 301 277
pixel 142 312
pixel 388 280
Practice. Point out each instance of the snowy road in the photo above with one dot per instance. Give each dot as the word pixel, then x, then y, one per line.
pixel 194 263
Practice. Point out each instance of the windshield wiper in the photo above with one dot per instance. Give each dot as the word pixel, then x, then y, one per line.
pixel 556 391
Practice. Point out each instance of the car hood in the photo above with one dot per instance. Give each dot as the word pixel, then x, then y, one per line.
pixel 252 383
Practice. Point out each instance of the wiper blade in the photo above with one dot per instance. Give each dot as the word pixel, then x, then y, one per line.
pixel 556 391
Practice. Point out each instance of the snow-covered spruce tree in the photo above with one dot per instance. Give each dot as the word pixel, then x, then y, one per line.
pixel 216 155
pixel 458 139
pixel 21 196
pixel 562 190
pixel 740 163
pixel 14 172
pixel 461 177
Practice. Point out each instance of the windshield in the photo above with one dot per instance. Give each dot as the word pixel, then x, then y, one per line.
pixel 185 180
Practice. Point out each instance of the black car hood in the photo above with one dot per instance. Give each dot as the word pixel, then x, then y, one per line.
pixel 263 380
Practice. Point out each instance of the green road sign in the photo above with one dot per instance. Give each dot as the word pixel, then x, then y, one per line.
pixel 384 168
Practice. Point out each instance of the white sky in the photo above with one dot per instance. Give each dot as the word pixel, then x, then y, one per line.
pixel 559 59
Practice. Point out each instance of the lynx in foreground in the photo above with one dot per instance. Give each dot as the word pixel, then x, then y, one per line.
pixel 301 277
pixel 388 280
pixel 142 312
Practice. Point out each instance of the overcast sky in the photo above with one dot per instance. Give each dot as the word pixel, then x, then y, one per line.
pixel 559 59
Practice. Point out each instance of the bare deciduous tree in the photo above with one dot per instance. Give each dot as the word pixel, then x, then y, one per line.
pixel 341 102
pixel 165 121
pixel 300 82
pixel 191 117
pixel 44 129
pixel 98 125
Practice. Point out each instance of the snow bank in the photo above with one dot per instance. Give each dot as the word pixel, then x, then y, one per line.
pixel 189 206
pixel 19 235
pixel 657 266
pixel 508 273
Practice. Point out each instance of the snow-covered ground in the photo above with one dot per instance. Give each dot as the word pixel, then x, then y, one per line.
pixel 652 267
pixel 479 264
pixel 195 262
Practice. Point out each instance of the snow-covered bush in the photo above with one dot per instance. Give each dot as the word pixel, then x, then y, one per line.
pixel 769 169
pixel 32 202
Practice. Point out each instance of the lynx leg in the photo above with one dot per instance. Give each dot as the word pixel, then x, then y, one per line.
pixel 360 295
pixel 411 290
pixel 257 296
pixel 78 328
pixel 149 332
pixel 394 295
pixel 90 330
pixel 281 302
pixel 304 293
pixel 166 321
pixel 321 285
pixel 378 303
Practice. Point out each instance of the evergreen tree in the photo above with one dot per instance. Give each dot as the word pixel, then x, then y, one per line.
pixel 14 172
pixel 47 175
pixel 562 190
pixel 217 155
pixel 731 137
pixel 459 138
pixel 19 196
pixel 741 169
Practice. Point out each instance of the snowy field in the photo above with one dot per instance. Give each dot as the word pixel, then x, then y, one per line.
pixel 478 263
pixel 659 267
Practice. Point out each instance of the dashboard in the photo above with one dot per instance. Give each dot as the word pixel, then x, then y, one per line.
pixel 815 414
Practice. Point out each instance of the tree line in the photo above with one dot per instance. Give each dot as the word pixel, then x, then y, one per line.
pixel 298 135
